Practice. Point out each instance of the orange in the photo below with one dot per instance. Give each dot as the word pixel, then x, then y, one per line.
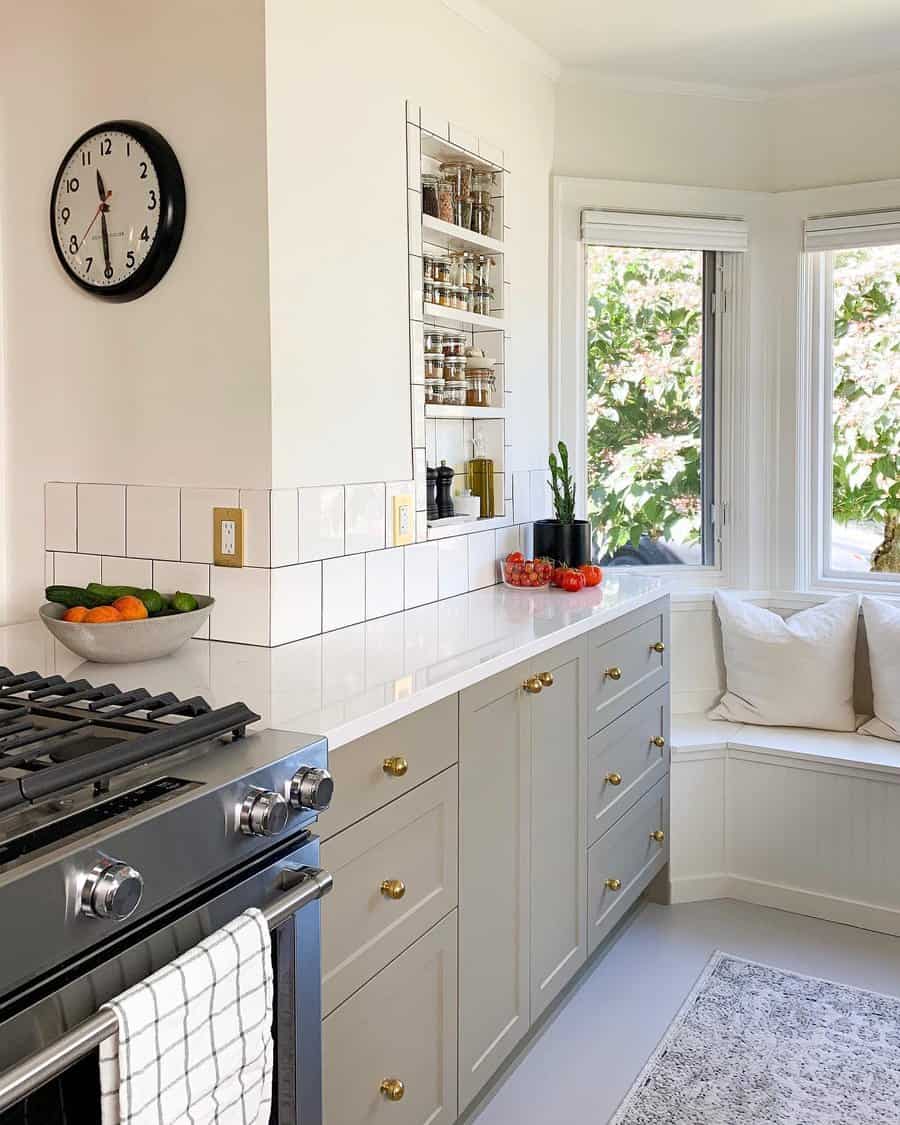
pixel 131 608
pixel 102 614
pixel 76 613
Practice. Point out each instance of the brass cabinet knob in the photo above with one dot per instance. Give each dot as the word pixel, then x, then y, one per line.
pixel 613 673
pixel 392 1088
pixel 395 767
pixel 658 647
pixel 546 678
pixel 533 685
pixel 614 884
pixel 393 888
pixel 658 741
pixel 614 778
pixel 658 836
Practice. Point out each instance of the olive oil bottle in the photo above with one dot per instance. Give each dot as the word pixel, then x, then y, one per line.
pixel 480 480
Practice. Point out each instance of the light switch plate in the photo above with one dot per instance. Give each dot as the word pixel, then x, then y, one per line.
pixel 228 536
pixel 404 519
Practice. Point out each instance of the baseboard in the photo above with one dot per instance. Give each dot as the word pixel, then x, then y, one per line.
pixel 882 919
pixel 848 912
pixel 699 888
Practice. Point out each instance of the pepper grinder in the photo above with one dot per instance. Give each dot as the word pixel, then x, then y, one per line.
pixel 444 485
pixel 431 479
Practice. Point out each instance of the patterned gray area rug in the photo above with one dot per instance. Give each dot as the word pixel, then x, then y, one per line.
pixel 754 1045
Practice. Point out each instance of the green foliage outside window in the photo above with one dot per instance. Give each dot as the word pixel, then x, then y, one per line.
pixel 644 351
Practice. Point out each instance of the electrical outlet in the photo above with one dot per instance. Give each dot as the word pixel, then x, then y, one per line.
pixel 404 520
pixel 228 536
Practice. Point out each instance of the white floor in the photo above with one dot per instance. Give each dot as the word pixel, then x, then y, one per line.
pixel 580 1067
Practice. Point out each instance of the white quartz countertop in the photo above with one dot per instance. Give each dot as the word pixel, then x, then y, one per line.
pixel 350 682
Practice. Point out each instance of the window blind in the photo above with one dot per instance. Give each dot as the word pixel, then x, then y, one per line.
pixel 843 232
pixel 664 232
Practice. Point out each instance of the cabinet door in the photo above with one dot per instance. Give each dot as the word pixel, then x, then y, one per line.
pixel 397 1035
pixel 494 808
pixel 558 843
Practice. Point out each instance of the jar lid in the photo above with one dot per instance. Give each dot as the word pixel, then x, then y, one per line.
pixel 430 178
pixel 454 164
pixel 453 385
pixel 434 355
pixel 451 338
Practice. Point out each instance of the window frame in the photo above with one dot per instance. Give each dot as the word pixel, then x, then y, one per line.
pixel 713 303
pixel 815 425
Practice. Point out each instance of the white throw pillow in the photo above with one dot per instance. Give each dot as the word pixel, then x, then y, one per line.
pixel 793 673
pixel 883 638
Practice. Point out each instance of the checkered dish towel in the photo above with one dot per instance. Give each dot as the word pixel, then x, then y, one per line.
pixel 194 1043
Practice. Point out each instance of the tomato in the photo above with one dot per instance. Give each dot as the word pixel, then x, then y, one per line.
pixel 593 575
pixel 572 581
pixel 556 575
pixel 515 557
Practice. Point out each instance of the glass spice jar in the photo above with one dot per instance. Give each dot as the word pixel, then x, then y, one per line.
pixel 434 392
pixel 453 345
pixel 454 369
pixel 483 180
pixel 481 198
pixel 440 267
pixel 434 343
pixel 460 297
pixel 459 174
pixel 434 365
pixel 483 298
pixel 441 293
pixel 462 213
pixel 468 264
pixel 445 200
pixel 428 292
pixel 430 194
pixel 454 393
pixel 483 219
pixel 470 299
pixel 427 268
pixel 482 271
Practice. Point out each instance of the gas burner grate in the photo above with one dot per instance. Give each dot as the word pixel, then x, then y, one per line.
pixel 44 717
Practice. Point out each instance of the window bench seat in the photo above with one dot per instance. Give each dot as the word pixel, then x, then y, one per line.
pixel 788 817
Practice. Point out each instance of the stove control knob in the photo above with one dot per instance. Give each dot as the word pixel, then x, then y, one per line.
pixel 264 813
pixel 311 788
pixel 112 890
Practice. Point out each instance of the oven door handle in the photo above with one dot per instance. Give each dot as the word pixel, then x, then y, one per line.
pixel 30 1074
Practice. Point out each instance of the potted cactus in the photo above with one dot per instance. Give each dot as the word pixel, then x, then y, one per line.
pixel 564 539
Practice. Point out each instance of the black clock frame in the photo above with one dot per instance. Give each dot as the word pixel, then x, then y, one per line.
pixel 172 211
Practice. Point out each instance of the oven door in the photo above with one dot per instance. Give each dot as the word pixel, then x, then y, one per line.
pixel 76 992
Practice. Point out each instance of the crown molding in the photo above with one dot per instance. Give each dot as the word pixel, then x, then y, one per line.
pixel 499 30
pixel 657 85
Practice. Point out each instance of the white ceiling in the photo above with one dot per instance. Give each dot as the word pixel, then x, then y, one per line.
pixel 766 45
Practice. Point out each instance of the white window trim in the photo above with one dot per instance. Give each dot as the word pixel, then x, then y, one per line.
pixel 569 357
pixel 814 422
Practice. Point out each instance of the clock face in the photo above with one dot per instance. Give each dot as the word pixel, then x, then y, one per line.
pixel 117 210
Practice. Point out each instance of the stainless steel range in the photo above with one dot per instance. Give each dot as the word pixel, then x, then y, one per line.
pixel 131 826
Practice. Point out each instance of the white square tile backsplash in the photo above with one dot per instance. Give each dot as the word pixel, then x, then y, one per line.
pixel 321 523
pixel 75 570
pixel 241 612
pixel 101 519
pixel 521 496
pixel 453 566
pixel 296 602
pixel 364 518
pixel 190 578
pixel 482 559
pixel 420 574
pixel 153 522
pixel 384 582
pixel 540 495
pixel 60 517
pixel 197 520
pixel 127 572
pixel 343 592
pixel 285 514
pixel 257 548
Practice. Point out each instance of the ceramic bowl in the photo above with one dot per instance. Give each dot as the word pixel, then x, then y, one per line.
pixel 126 642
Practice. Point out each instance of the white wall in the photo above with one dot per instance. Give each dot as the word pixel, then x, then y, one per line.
pixel 171 388
pixel 659 137
pixel 338 77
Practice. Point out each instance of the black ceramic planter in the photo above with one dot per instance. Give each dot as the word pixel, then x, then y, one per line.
pixel 568 543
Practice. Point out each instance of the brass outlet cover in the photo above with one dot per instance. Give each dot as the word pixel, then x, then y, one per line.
pixel 222 516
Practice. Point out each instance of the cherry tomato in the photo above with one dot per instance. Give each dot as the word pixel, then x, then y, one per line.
pixel 593 575
pixel 515 557
pixel 572 581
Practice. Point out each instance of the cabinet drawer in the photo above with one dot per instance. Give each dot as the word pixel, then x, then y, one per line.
pixel 628 660
pixel 414 841
pixel 624 761
pixel 401 1026
pixel 427 743
pixel 629 856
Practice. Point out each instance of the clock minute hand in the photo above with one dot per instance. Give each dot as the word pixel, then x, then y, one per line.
pixel 101 190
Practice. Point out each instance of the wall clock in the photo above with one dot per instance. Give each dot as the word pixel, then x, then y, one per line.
pixel 117 209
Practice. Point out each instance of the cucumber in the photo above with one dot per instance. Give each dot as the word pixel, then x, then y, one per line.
pixel 151 599
pixel 71 596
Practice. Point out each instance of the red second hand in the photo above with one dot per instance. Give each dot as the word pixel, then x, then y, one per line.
pixel 91 223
